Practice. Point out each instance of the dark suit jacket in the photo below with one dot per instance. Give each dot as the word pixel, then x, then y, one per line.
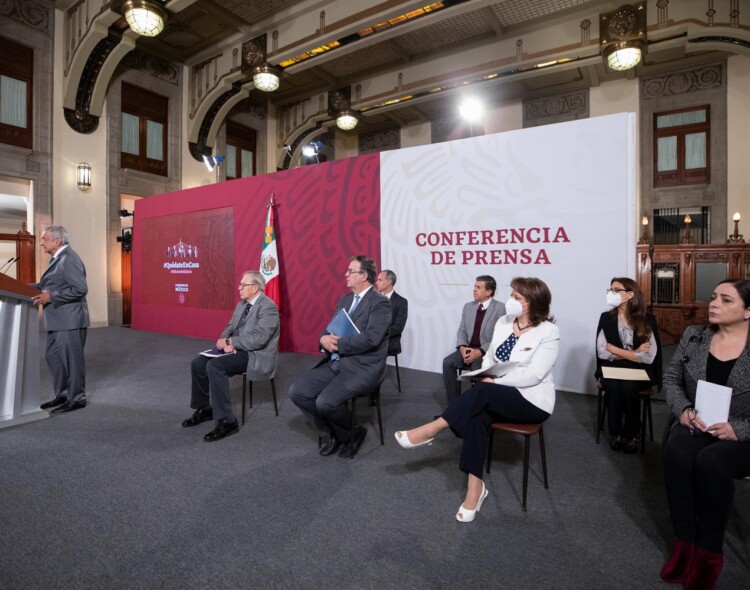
pixel 469 315
pixel 258 335
pixel 65 280
pixel 399 315
pixel 363 355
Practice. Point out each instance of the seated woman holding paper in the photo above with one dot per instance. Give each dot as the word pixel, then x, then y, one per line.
pixel 626 338
pixel 524 348
pixel 705 451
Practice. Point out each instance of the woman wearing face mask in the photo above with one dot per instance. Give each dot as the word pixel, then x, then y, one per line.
pixel 701 461
pixel 526 337
pixel 626 337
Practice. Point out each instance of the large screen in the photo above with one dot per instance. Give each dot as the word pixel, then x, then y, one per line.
pixel 189 259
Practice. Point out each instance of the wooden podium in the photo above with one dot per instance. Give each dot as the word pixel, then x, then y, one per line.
pixel 19 354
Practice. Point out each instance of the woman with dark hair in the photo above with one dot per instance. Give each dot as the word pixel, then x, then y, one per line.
pixel 527 338
pixel 701 461
pixel 626 337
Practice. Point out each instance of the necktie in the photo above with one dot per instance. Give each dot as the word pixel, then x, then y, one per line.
pixel 243 317
pixel 354 304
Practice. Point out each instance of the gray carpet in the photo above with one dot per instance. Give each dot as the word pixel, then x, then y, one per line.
pixel 120 496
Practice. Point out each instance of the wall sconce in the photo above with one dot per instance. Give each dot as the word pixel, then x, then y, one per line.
pixel 145 17
pixel 736 237
pixel 688 237
pixel 265 76
pixel 83 177
pixel 623 36
pixel 644 231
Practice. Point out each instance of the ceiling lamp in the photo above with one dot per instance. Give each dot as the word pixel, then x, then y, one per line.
pixel 145 17
pixel 623 36
pixel 623 56
pixel 266 78
pixel 346 120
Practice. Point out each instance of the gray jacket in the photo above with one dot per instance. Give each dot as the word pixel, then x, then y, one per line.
pixel 65 280
pixel 469 315
pixel 688 366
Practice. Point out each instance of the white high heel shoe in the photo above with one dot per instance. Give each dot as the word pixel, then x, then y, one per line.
pixel 466 515
pixel 403 439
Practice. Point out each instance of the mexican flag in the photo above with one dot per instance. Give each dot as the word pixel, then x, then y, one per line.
pixel 269 260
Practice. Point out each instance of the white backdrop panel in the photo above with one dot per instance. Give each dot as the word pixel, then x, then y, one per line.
pixel 577 179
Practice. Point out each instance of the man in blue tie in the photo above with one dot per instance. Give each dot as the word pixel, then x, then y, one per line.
pixel 353 365
pixel 248 344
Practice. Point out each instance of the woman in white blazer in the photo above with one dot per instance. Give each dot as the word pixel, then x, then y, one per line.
pixel 527 340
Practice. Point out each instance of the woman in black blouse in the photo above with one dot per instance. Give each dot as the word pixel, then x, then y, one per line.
pixel 701 461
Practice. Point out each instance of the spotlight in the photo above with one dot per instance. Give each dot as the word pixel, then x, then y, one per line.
pixel 471 109
pixel 126 213
pixel 309 151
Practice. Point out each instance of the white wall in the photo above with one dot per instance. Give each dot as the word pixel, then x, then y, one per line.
pixel 416 134
pixel 738 142
pixel 84 215
pixel 507 116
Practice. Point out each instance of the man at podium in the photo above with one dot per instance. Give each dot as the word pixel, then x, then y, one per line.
pixel 66 316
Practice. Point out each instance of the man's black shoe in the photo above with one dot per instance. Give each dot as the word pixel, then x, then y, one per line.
pixel 199 416
pixel 54 402
pixel 222 430
pixel 69 407
pixel 331 447
pixel 351 446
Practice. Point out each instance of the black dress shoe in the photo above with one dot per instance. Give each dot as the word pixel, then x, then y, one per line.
pixel 223 429
pixel 54 402
pixel 69 407
pixel 351 446
pixel 631 447
pixel 199 416
pixel 331 447
pixel 617 443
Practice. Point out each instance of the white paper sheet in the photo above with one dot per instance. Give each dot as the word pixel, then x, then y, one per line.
pixel 712 402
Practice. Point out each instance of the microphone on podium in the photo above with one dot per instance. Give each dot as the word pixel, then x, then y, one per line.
pixel 9 263
pixel 16 259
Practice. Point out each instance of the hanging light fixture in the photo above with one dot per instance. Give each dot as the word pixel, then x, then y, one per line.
pixel 346 120
pixel 145 17
pixel 623 36
pixel 83 177
pixel 266 78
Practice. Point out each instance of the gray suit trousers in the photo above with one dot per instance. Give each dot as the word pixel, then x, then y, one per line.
pixel 451 364
pixel 66 363
pixel 210 385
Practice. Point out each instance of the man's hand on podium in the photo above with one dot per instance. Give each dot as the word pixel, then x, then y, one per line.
pixel 42 299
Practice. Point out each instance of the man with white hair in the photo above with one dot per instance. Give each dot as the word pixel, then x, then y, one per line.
pixel 66 317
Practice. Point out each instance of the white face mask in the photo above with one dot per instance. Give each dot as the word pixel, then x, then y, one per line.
pixel 513 307
pixel 613 299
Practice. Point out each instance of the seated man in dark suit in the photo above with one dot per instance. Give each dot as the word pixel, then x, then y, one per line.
pixel 475 332
pixel 399 309
pixel 251 343
pixel 353 365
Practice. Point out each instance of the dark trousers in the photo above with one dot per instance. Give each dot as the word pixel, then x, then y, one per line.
pixel 322 394
pixel 452 363
pixel 211 382
pixel 66 363
pixel 699 472
pixel 623 407
pixel 472 414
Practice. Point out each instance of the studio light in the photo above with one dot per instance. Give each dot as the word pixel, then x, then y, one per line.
pixel 83 177
pixel 212 162
pixel 145 17
pixel 309 151
pixel 346 120
pixel 125 213
pixel 471 109
pixel 266 78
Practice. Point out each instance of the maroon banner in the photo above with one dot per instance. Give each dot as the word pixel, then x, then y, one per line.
pixel 325 213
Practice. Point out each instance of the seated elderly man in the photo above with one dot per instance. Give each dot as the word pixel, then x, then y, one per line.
pixel 249 343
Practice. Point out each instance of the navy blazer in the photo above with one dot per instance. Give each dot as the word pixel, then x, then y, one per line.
pixel 362 356
pixel 65 281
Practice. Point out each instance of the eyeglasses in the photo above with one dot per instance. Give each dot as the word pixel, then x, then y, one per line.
pixel 243 285
pixel 616 290
pixel 349 271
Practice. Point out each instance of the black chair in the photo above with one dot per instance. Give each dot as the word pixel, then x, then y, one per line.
pixel 246 389
pixel 527 430
pixel 398 377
